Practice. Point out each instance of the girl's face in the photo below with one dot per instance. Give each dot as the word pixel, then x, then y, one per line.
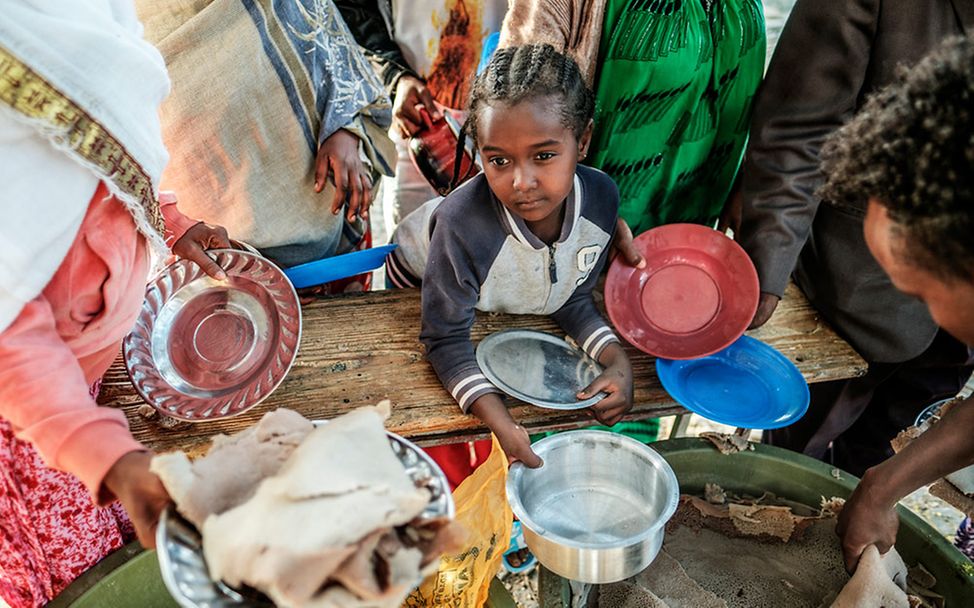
pixel 529 156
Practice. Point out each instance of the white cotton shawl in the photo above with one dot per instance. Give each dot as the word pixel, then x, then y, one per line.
pixel 93 54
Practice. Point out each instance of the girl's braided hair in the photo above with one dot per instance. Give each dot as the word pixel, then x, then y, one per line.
pixel 526 72
pixel 518 73
pixel 911 148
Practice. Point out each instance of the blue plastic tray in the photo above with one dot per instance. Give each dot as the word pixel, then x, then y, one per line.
pixel 748 384
pixel 338 267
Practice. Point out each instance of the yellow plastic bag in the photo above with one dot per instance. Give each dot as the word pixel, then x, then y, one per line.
pixel 464 578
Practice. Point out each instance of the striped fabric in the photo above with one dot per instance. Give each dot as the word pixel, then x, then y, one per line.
pixel 258 85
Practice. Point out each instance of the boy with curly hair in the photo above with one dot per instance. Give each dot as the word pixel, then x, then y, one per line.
pixel 910 154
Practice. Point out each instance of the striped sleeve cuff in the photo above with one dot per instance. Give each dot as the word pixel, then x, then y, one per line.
pixel 467 388
pixel 595 342
pixel 397 273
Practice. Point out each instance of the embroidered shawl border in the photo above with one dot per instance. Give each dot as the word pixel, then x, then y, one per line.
pixel 28 93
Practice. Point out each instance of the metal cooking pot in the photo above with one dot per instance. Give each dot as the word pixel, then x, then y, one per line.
pixel 595 511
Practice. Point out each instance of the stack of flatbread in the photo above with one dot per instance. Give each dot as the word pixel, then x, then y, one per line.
pixel 312 517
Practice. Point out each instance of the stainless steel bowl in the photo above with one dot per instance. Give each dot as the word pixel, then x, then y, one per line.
pixel 595 511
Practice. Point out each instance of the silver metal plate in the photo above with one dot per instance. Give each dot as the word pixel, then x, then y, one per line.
pixel 202 348
pixel 538 368
pixel 180 546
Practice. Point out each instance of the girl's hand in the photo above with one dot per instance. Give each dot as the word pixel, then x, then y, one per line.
pixel 616 380
pixel 731 215
pixel 141 493
pixel 622 244
pixel 517 445
pixel 512 436
pixel 338 155
pixel 194 243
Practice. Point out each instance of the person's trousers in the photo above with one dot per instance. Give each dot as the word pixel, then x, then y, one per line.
pixel 850 423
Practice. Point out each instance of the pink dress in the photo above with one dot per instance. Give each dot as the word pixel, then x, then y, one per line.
pixel 55 525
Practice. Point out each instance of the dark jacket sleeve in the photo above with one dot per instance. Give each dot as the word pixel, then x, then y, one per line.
pixel 451 288
pixel 369 22
pixel 812 87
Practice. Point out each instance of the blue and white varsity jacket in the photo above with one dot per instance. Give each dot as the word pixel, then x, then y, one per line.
pixel 475 254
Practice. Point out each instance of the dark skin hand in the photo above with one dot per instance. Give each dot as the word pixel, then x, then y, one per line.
pixel 511 435
pixel 731 215
pixel 338 158
pixel 616 380
pixel 766 306
pixel 622 246
pixel 194 243
pixel 140 492
pixel 869 516
pixel 412 96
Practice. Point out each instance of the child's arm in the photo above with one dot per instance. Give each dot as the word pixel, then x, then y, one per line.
pixel 582 321
pixel 450 291
pixel 616 380
pixel 511 435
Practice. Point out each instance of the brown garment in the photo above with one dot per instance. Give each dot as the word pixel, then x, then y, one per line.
pixel 830 56
pixel 573 27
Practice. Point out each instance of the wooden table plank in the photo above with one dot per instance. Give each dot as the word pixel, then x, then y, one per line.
pixel 361 348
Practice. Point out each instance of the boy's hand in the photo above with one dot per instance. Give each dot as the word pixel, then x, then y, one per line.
pixel 140 492
pixel 616 380
pixel 338 155
pixel 866 519
pixel 512 436
pixel 194 243
pixel 411 95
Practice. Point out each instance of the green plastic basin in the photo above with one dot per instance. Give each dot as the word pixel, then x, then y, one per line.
pixel 805 480
pixel 130 577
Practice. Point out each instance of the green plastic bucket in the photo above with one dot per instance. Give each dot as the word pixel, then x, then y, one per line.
pixel 805 480
pixel 130 577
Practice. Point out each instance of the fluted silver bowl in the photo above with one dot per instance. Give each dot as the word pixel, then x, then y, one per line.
pixel 180 546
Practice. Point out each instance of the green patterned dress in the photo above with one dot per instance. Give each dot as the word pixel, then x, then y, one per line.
pixel 673 103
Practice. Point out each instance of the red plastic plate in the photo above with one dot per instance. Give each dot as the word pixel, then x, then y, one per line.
pixel 696 295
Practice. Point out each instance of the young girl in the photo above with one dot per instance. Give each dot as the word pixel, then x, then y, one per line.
pixel 529 235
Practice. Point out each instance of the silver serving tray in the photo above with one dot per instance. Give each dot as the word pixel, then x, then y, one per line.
pixel 538 368
pixel 180 546
pixel 204 349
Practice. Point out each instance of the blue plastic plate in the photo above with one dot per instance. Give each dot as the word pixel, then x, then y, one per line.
pixel 748 384
pixel 338 267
